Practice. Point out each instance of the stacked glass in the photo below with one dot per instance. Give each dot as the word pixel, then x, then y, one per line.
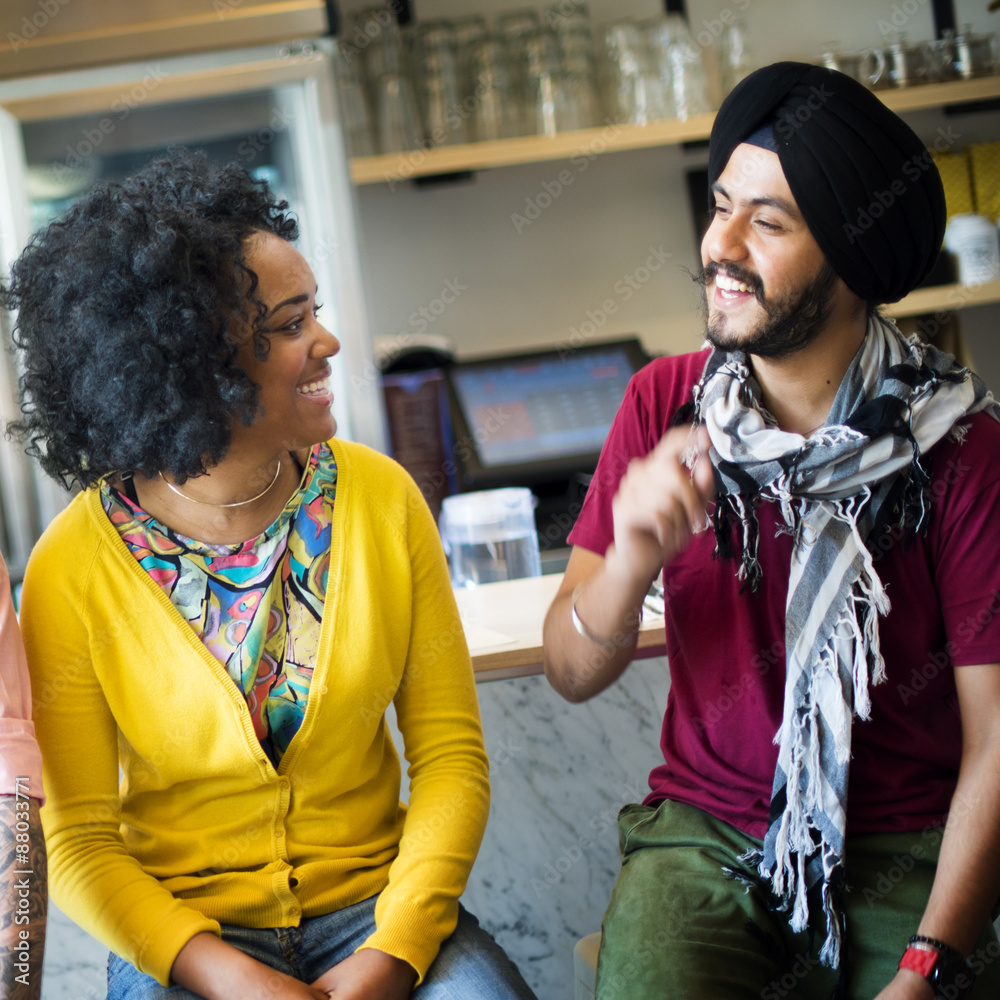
pixel 449 82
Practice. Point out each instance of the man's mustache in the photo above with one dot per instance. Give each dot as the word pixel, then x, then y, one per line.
pixel 707 274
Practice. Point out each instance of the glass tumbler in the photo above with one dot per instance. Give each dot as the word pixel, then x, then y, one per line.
pixel 468 33
pixel 516 26
pixel 570 15
pixel 398 118
pixel 634 91
pixel 496 114
pixel 556 101
pixel 444 118
pixel 576 46
pixel 735 58
pixel 357 119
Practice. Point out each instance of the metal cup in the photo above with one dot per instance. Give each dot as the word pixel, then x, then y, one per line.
pixel 908 65
pixel 942 58
pixel 975 55
pixel 866 67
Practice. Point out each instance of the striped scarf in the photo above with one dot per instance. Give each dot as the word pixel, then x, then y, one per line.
pixel 837 490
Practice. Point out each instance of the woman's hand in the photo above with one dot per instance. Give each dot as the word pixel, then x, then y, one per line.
pixel 368 974
pixel 212 969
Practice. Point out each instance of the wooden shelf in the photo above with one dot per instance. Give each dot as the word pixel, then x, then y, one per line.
pixel 588 142
pixel 397 167
pixel 945 298
pixel 933 95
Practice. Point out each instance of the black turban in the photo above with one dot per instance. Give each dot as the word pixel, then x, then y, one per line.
pixel 866 186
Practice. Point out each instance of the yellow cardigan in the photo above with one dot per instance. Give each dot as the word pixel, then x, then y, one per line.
pixel 202 828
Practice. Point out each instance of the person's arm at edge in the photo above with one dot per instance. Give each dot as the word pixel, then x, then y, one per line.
pixel 24 892
pixel 81 816
pixel 23 897
pixel 967 883
pixel 659 504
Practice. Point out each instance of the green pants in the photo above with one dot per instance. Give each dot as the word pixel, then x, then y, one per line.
pixel 678 928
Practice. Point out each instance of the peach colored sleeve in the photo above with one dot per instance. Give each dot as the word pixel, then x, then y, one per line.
pixel 20 759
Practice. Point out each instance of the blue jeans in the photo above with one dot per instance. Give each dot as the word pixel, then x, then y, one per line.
pixel 469 964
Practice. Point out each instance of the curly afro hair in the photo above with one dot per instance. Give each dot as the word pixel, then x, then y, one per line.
pixel 126 312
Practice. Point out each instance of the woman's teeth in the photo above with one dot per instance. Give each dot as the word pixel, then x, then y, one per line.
pixel 314 388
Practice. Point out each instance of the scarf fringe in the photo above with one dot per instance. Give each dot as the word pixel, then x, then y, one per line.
pixel 833 908
pixel 958 433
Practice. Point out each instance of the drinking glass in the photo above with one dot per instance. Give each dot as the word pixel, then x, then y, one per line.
pixel 687 77
pixel 680 66
pixel 469 32
pixel 556 100
pixel 576 45
pixel 357 120
pixel 736 60
pixel 557 107
pixel 398 118
pixel 383 55
pixel 634 89
pixel 567 16
pixel 496 113
pixel 515 27
pixel 437 70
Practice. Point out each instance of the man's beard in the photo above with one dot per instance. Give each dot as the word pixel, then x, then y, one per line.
pixel 792 322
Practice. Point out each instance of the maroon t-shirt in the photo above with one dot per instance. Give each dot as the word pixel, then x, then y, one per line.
pixel 727 653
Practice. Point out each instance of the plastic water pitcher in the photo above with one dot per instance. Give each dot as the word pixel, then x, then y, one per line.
pixel 490 536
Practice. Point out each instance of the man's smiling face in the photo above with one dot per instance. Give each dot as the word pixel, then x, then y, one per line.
pixel 769 289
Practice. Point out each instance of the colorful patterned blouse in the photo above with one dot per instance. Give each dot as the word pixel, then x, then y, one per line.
pixel 256 606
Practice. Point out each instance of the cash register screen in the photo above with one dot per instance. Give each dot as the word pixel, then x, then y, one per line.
pixel 545 412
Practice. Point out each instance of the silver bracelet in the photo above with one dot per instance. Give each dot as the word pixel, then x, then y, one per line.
pixel 585 632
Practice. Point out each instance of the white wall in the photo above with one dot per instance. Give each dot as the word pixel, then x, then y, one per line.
pixel 534 284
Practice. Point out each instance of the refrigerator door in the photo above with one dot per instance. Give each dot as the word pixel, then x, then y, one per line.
pixel 272 110
pixel 29 499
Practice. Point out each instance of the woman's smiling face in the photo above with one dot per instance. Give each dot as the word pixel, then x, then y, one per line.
pixel 293 379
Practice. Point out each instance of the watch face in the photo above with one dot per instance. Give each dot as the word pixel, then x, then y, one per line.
pixel 951 976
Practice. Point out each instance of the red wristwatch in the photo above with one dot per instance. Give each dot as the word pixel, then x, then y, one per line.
pixel 921 960
pixel 947 970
